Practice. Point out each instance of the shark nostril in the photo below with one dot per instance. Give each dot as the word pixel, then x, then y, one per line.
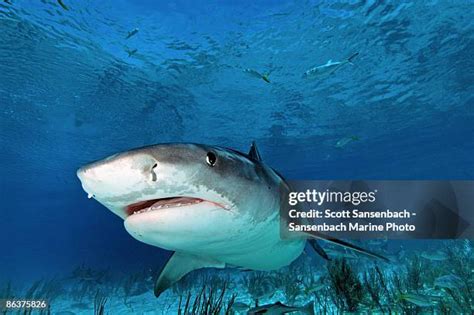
pixel 153 174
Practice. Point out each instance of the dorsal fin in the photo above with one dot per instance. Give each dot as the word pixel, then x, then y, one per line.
pixel 253 153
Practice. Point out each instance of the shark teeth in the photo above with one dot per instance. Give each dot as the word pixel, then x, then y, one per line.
pixel 174 205
pixel 89 196
pixel 166 206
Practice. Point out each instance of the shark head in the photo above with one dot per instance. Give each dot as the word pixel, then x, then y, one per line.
pixel 169 194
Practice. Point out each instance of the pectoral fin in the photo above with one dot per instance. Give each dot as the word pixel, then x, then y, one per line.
pixel 179 265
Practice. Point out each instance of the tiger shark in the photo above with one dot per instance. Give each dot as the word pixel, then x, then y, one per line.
pixel 212 206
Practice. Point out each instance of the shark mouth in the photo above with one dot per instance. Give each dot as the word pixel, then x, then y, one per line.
pixel 165 203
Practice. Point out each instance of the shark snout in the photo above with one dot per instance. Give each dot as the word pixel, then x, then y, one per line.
pixel 118 175
pixel 82 173
pixel 88 180
pixel 89 174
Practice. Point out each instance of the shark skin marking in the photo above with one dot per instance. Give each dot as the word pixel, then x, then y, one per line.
pixel 212 206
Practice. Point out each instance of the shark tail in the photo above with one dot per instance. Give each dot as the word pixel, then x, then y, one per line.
pixel 346 245
pixel 352 57
pixel 309 308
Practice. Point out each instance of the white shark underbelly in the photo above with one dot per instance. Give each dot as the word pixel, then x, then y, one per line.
pixel 219 236
pixel 262 250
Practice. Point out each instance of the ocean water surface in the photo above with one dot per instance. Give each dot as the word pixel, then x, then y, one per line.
pixel 77 84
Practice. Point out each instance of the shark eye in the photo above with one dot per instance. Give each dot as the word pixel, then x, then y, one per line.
pixel 211 159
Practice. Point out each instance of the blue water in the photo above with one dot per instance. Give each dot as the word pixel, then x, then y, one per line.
pixel 70 94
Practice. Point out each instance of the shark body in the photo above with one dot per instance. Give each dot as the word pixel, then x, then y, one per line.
pixel 212 206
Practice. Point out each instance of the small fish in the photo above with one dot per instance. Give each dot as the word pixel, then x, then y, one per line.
pixel 345 141
pixel 131 52
pixel 132 33
pixel 240 307
pixel 84 274
pixel 256 74
pixel 449 281
pixel 328 68
pixel 281 14
pixel 419 299
pixel 397 256
pixel 279 308
pixel 378 242
pixel 61 3
pixel 375 242
pixel 435 256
